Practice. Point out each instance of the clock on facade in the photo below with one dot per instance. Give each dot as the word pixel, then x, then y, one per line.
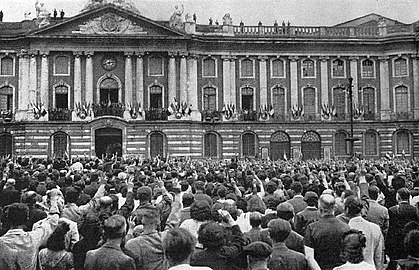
pixel 109 63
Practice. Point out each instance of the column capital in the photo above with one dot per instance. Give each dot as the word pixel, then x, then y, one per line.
pixel 293 58
pixel 383 58
pixel 353 58
pixel 172 54
pixel 226 57
pixel 263 58
pixel 89 53
pixel 44 53
pixel 23 54
pixel 33 53
pixel 183 54
pixel 193 56
pixel 128 54
pixel 324 58
pixel 77 54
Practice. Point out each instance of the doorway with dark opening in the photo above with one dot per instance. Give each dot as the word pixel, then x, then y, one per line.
pixel 108 142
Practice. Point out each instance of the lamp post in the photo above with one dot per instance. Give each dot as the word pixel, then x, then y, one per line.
pixel 351 139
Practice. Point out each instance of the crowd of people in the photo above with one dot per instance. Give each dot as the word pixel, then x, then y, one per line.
pixel 128 213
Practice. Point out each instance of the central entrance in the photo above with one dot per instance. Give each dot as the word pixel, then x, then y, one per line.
pixel 108 142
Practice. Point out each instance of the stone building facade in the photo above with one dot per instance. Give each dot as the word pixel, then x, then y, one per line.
pixel 112 81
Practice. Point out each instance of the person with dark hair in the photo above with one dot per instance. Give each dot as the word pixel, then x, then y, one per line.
pixel 200 214
pixel 283 257
pixel 377 213
pixel 411 245
pixel 54 256
pixel 258 254
pixel 8 194
pixel 179 245
pixel 35 212
pixel 200 195
pixel 352 247
pixel 400 215
pixel 294 241
pixel 255 233
pixel 298 200
pixel 309 214
pixel 187 200
pixel 110 256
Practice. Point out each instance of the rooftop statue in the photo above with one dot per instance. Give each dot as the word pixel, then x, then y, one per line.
pixel 227 20
pixel 126 4
pixel 176 18
pixel 42 14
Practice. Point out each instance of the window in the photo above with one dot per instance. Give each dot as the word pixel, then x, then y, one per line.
pixel 246 68
pixel 402 104
pixel 61 97
pixel 247 98
pixel 308 68
pixel 400 67
pixel 109 91
pixel 7 66
pixel 59 144
pixel 402 142
pixel 339 100
pixel 156 100
pixel 368 97
pixel 371 143
pixel 277 68
pixel 341 145
pixel 278 100
pixel 209 68
pixel 156 144
pixel 211 145
pixel 62 65
pixel 368 69
pixel 6 144
pixel 309 104
pixel 248 145
pixel 6 98
pixel 155 66
pixel 311 146
pixel 210 99
pixel 338 68
pixel 280 146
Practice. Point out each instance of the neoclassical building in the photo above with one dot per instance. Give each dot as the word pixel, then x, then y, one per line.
pixel 109 80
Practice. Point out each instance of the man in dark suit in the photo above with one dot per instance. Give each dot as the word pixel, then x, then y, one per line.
pixel 9 194
pixel 298 200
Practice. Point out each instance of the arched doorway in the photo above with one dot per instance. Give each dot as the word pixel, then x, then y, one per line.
pixel 280 145
pixel 109 91
pixel 108 142
pixel 311 145
pixel 156 144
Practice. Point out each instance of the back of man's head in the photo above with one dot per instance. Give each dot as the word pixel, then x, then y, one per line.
pixel 327 203
pixel 178 245
pixel 353 205
pixel 72 195
pixel 17 214
pixel 403 194
pixel 373 192
pixel 115 227
pixel 297 187
pixel 279 229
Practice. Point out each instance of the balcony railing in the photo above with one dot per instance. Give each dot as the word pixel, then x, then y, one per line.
pixel 59 115
pixel 155 114
pixel 211 116
pixel 249 115
pixel 113 109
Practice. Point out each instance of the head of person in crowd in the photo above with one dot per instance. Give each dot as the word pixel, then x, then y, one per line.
pixel 16 215
pixel 373 192
pixel 178 246
pixel 258 254
pixel 352 246
pixel 311 198
pixel 150 217
pixel 200 211
pixel 353 206
pixel 255 219
pixel 279 230
pixel 297 188
pixel 411 243
pixel 90 227
pixel 30 198
pixel 56 242
pixel 144 194
pixel 285 211
pixel 72 195
pixel 271 187
pixel 398 182
pixel 403 195
pixel 255 203
pixel 10 183
pixel 327 204
pixel 187 200
pixel 115 228
pixel 211 235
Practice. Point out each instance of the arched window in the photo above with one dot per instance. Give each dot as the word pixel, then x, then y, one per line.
pixel 309 105
pixel 368 97
pixel 311 145
pixel 400 67
pixel 210 99
pixel 247 98
pixel 371 143
pixel 109 91
pixel 246 68
pixel 156 96
pixel 249 145
pixel 155 66
pixel 368 69
pixel 209 67
pixel 62 65
pixel 156 144
pixel 308 68
pixel 6 144
pixel 402 104
pixel 60 144
pixel 61 97
pixel 277 69
pixel 280 146
pixel 402 142
pixel 339 100
pixel 6 98
pixel 341 145
pixel 210 145
pixel 278 100
pixel 7 66
pixel 338 68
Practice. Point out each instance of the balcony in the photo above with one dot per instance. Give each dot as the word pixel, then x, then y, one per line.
pixel 155 114
pixel 211 116
pixel 7 115
pixel 113 109
pixel 369 116
pixel 249 115
pixel 59 115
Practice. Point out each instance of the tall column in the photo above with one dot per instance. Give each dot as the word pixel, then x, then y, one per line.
pixel 324 80
pixel 183 79
pixel 233 81
pixel 415 60
pixel 192 98
pixel 172 77
pixel 44 79
pixel 354 75
pixel 33 82
pixel 384 88
pixel 263 81
pixel 77 78
pixel 140 79
pixel 89 77
pixel 294 80
pixel 226 80
pixel 128 77
pixel 23 103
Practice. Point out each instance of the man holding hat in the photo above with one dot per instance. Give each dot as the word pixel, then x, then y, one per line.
pixel 258 254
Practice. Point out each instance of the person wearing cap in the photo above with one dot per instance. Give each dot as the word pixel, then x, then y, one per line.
pixel 309 214
pixel 322 237
pixel 258 254
pixel 298 200
pixel 283 257
pixel 144 195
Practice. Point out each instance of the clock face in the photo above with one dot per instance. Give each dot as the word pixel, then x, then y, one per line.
pixel 109 63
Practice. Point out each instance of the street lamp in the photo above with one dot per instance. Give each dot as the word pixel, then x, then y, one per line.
pixel 351 138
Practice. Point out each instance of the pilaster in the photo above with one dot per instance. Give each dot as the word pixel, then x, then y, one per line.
pixel 415 59
pixel 226 79
pixel 172 77
pixel 33 78
pixel 263 81
pixel 89 76
pixel 193 86
pixel 128 77
pixel 183 78
pixel 324 80
pixel 77 77
pixel 140 78
pixel 354 74
pixel 44 79
pixel 233 81
pixel 384 88
pixel 294 80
